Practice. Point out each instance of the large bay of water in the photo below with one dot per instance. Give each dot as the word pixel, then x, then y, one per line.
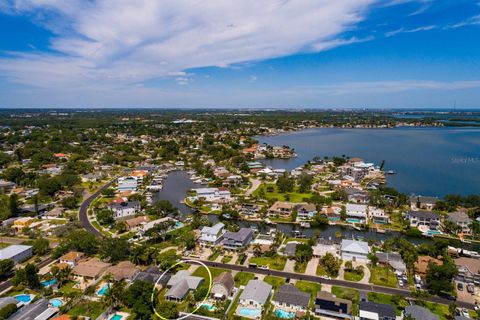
pixel 427 161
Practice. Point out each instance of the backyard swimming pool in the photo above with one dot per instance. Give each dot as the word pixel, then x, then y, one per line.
pixel 116 317
pixel 48 283
pixel 57 303
pixel 353 220
pixel 246 312
pixel 208 306
pixel 284 314
pixel 26 298
pixel 103 290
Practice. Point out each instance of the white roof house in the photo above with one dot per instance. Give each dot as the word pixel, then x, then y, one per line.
pixel 212 194
pixel 355 250
pixel 212 235
pixel 256 293
pixel 357 210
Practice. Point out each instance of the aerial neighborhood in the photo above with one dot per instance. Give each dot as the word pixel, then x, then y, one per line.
pixel 143 214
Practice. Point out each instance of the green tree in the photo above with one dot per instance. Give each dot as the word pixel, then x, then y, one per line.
pixel 303 252
pixel 40 246
pixel 114 249
pixel 137 298
pixel 13 204
pixel 6 267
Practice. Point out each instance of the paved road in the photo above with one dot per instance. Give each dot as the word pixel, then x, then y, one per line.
pixel 7 284
pixel 83 212
pixel 342 283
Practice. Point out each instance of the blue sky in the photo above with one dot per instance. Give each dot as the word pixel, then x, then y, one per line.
pixel 246 53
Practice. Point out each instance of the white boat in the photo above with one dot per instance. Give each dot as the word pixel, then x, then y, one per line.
pixel 305 224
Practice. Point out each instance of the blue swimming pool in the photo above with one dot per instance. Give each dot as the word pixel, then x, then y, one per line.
pixel 57 303
pixel 353 220
pixel 433 232
pixel 116 317
pixel 178 224
pixel 24 298
pixel 103 290
pixel 247 312
pixel 48 283
pixel 284 314
pixel 208 306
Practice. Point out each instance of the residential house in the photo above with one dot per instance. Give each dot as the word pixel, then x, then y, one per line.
pixel 6 186
pixel 125 209
pixel 16 252
pixel 422 264
pixel 213 194
pixel 127 184
pixel 376 311
pixel 212 236
pixel 290 249
pixel 356 212
pixel 37 310
pixel 392 259
pixel 357 196
pixel 322 248
pixel 353 250
pixel 378 216
pixel 462 220
pixel 418 312
pixel 424 220
pixel 22 223
pixel 91 269
pixel 71 258
pixel 423 203
pixel 248 209
pixel 180 284
pixel 152 275
pixel 223 285
pixel 468 270
pixel 255 294
pixel 333 213
pixel 124 270
pixel 136 222
pixel 328 305
pixel 237 240
pixel 281 208
pixel 290 298
pixel 306 211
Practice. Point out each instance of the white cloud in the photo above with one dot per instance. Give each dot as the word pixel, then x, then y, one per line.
pixel 113 43
pixel 253 78
pixel 402 30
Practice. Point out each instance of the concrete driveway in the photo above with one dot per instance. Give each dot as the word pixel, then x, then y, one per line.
pixel 289 266
pixel 312 266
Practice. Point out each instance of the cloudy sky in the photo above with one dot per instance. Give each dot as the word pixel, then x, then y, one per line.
pixel 245 53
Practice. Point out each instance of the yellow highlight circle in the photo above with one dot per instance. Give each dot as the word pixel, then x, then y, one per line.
pixel 152 297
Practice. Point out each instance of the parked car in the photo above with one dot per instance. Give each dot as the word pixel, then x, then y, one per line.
pixel 400 283
pixel 460 286
pixel 470 288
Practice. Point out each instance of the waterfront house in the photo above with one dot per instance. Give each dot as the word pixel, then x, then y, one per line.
pixel 71 258
pixel 306 211
pixel 223 285
pixel 423 203
pixel 135 222
pixel 392 259
pixel 376 311
pixel 357 196
pixel 289 298
pixel 422 262
pixel 237 240
pixel 16 252
pixel 290 249
pixel 357 212
pixel 255 294
pixel 127 184
pixel 353 250
pixel 377 215
pixel 248 209
pixel 213 194
pixel 424 220
pixel 462 220
pixel 468 270
pixel 418 312
pixel 281 208
pixel 180 284
pixel 212 236
pixel 125 209
pixel 322 248
pixel 328 305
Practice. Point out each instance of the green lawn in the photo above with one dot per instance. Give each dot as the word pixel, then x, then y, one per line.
pixel 353 276
pixel 440 310
pixel 383 276
pixel 310 287
pixel 276 263
pixel 87 308
pixel 226 259
pixel 300 267
pixel 202 272
pixel 275 282
pixel 214 255
pixel 292 196
pixel 242 278
pixel 349 294
pixel 68 289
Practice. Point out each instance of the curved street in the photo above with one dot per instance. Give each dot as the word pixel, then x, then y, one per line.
pixel 83 211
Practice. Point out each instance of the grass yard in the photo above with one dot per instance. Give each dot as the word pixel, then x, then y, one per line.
pixel 310 287
pixel 214 255
pixel 353 275
pixel 275 263
pixel 291 196
pixel 440 310
pixel 202 272
pixel 226 259
pixel 300 267
pixel 90 309
pixel 275 282
pixel 242 278
pixel 387 299
pixel 349 294
pixel 383 276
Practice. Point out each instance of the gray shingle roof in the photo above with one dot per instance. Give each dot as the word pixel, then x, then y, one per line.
pixel 256 290
pixel 383 310
pixel 290 295
pixel 423 214
pixel 420 313
pixel 241 235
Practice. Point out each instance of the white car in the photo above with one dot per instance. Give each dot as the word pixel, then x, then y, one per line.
pixel 325 277
pixel 400 283
pixel 263 267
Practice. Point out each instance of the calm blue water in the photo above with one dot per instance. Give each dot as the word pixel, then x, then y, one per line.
pixel 427 161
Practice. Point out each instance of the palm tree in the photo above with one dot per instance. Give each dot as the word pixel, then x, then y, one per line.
pixel 257 249
pixel 115 293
